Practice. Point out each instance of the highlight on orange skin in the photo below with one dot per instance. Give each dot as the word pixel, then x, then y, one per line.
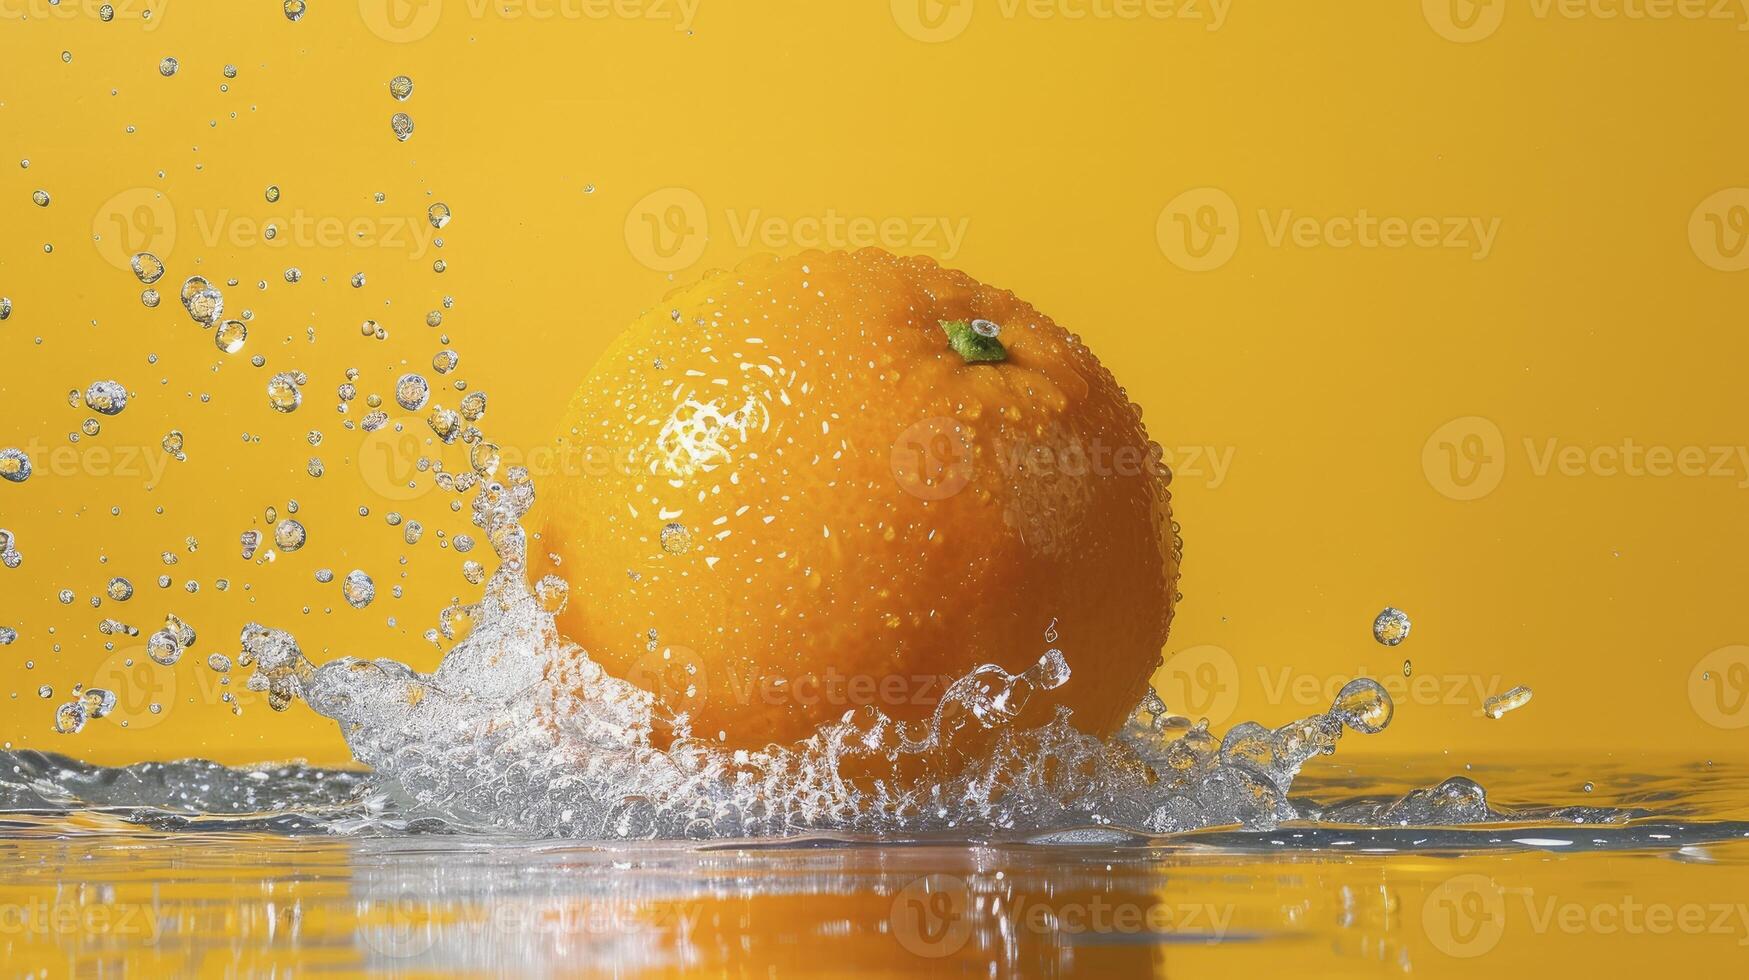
pixel 782 494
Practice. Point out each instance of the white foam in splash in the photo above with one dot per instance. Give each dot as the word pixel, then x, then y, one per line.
pixel 519 730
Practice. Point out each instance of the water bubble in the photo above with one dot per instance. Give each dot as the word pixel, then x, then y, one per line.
pixel 1363 706
pixel 676 539
pixel 374 421
pixel 283 394
pixel 273 193
pixel 230 71
pixel 148 267
pixel 358 280
pixel 14 467
pixel 106 13
pixel 473 406
pixel 294 274
pixel 438 214
pixel 412 532
pixel 289 535
pixel 1391 627
pixel 40 197
pixel 251 540
pixel 8 636
pixel 444 361
pixel 231 336
pixel 70 718
pixel 402 125
pixel 1501 704
pixel 205 306
pixel 91 427
pixel 99 702
pixel 294 10
pixel 412 391
pixel 219 663
pixel 400 87
pixel 106 397
pixel 473 572
pixel 324 575
pixel 120 589
pixel 5 307
pixel 315 467
pixel 164 648
pixel 149 298
pixel 45 692
pixel 168 67
pixel 358 589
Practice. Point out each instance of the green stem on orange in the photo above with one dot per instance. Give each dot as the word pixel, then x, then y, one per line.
pixel 972 345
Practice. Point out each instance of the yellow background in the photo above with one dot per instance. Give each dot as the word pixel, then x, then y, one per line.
pixel 1072 153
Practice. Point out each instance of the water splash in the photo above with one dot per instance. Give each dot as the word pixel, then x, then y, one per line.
pixel 518 730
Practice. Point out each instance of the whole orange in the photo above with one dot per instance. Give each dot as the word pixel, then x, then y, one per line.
pixel 840 479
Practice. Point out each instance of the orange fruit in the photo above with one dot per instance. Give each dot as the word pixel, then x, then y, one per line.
pixel 790 491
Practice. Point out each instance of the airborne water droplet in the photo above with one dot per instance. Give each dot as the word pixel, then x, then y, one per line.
pixel 358 589
pixel 1391 627
pixel 1501 704
pixel 676 538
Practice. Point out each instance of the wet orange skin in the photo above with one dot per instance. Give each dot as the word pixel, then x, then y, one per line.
pixel 867 515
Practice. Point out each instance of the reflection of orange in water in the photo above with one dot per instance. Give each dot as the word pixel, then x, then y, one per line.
pixel 854 511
